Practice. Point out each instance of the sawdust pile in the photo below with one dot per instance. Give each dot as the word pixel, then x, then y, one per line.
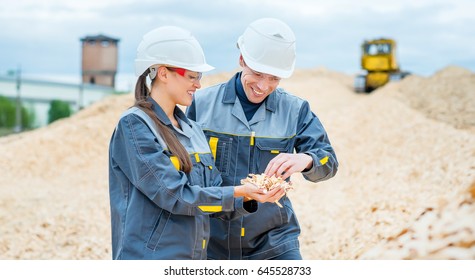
pixel 407 160
pixel 446 232
pixel 447 96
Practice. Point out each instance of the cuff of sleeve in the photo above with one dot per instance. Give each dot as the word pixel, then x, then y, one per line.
pixel 228 198
pixel 314 165
pixel 245 208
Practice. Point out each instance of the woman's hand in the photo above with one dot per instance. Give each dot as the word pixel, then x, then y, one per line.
pixel 252 192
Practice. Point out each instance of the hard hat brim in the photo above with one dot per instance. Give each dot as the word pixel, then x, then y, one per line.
pixel 142 65
pixel 200 68
pixel 265 69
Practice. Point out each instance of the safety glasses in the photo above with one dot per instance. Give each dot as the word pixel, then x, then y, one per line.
pixel 187 74
pixel 260 76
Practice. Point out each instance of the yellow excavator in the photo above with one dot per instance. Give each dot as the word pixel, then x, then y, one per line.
pixel 379 64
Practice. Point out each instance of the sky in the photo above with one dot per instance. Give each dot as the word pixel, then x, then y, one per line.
pixel 43 37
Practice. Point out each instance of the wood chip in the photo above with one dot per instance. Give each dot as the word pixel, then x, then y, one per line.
pixel 267 183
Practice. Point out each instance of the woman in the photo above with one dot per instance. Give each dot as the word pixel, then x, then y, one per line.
pixel 162 182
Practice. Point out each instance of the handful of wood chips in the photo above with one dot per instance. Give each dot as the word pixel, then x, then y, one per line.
pixel 268 183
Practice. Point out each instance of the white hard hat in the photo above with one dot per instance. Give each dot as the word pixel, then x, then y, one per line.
pixel 173 46
pixel 268 46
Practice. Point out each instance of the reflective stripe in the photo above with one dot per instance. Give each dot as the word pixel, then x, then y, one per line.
pixel 213 144
pixel 175 162
pixel 211 208
pixel 242 231
pixel 274 152
pixel 197 157
pixel 204 243
pixel 253 134
pixel 324 160
pixel 243 135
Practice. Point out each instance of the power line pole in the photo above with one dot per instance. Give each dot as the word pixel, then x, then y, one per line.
pixel 81 96
pixel 18 124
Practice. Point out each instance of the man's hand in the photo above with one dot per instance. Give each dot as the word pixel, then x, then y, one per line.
pixel 286 164
pixel 250 191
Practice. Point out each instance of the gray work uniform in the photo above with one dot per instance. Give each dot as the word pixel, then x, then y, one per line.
pixel 283 123
pixel 158 212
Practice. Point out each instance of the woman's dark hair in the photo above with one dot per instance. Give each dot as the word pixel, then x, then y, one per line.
pixel 174 145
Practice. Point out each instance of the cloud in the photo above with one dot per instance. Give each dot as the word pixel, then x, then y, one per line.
pixel 43 36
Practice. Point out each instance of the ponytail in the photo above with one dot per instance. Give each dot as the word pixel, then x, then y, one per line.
pixel 174 145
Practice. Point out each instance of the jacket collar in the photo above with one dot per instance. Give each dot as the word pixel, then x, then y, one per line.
pixel 163 117
pixel 230 95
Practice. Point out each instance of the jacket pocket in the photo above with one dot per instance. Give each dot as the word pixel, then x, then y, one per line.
pixel 197 174
pixel 211 174
pixel 221 150
pixel 158 229
pixel 269 148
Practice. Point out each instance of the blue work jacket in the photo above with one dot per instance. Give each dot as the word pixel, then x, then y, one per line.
pixel 157 211
pixel 283 123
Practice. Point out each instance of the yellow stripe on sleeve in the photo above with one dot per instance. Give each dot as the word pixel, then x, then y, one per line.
pixel 204 243
pixel 324 160
pixel 242 231
pixel 197 157
pixel 211 208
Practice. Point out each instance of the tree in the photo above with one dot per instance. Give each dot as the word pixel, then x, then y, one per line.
pixel 8 114
pixel 58 110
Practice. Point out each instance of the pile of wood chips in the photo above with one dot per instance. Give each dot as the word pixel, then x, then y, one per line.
pixel 443 233
pixel 268 183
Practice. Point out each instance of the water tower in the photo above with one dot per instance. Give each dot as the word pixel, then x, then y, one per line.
pixel 99 60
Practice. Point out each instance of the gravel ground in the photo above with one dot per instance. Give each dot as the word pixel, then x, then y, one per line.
pixel 407 162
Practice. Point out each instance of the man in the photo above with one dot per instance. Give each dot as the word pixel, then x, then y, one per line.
pixel 255 127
